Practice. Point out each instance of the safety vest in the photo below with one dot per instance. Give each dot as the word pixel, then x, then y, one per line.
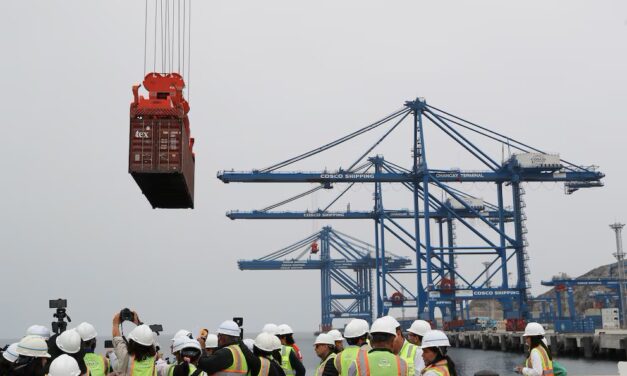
pixel 95 364
pixel 239 366
pixel 320 369
pixel 192 369
pixel 547 364
pixel 380 363
pixel 344 359
pixel 144 367
pixel 285 360
pixel 408 353
pixel 440 368
pixel 264 369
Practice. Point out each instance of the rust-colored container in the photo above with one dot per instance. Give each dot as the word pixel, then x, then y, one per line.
pixel 161 159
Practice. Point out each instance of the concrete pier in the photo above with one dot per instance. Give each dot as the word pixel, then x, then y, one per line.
pixel 602 343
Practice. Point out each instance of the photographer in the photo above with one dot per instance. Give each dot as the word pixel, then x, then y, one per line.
pixel 232 357
pixel 138 355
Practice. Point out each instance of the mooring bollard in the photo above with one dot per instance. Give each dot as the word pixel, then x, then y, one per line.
pixel 486 373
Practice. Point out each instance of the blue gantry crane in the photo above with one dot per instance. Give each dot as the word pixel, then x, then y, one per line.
pixel 345 265
pixel 566 285
pixel 438 278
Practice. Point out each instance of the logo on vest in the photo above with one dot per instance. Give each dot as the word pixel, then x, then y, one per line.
pixel 384 363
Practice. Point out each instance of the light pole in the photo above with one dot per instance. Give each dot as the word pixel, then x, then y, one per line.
pixel 620 257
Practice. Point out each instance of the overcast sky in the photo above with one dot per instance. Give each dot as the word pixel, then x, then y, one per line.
pixel 270 79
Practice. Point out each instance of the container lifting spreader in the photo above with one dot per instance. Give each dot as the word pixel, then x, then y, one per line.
pixel 161 158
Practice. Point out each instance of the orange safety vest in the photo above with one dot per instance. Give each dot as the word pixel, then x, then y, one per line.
pixel 440 368
pixel 547 364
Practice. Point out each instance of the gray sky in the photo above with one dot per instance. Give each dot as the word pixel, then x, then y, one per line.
pixel 269 80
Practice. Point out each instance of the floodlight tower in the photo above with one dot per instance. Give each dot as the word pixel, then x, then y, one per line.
pixel 620 258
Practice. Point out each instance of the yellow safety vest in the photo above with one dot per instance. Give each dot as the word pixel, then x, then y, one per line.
pixel 285 360
pixel 344 359
pixel 440 368
pixel 96 364
pixel 320 369
pixel 380 363
pixel 408 353
pixel 547 364
pixel 192 369
pixel 264 368
pixel 144 367
pixel 239 365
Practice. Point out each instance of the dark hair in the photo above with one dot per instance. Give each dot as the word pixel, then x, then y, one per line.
pixel 259 352
pixel 5 366
pixel 140 352
pixel 537 341
pixel 89 345
pixel 181 369
pixel 276 354
pixel 355 341
pixel 382 337
pixel 29 366
pixel 441 355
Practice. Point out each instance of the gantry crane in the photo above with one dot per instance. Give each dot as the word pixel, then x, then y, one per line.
pixel 437 276
pixel 345 263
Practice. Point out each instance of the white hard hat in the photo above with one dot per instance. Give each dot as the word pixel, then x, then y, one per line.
pixel 324 339
pixel 419 327
pixel 10 353
pixel 534 329
pixel 249 342
pixel 38 330
pixel 183 342
pixel 142 334
pixel 336 335
pixel 265 342
pixel 182 333
pixel 33 346
pixel 284 329
pixel 270 328
pixel 86 331
pixel 64 365
pixel 229 328
pixel 383 325
pixel 391 320
pixel 435 338
pixel 277 342
pixel 211 342
pixel 69 341
pixel 356 328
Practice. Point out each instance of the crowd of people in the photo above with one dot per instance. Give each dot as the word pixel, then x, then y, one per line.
pixel 380 349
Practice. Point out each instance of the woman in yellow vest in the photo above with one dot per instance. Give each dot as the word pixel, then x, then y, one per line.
pixel 437 363
pixel 138 356
pixel 539 362
pixel 96 363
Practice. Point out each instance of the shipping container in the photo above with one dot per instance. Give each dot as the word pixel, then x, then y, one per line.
pixel 537 161
pixel 161 158
pixel 475 203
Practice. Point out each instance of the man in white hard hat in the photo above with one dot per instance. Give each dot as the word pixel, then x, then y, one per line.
pixel 290 355
pixel 324 347
pixel 97 364
pixel 406 350
pixel 64 365
pixel 263 347
pixel 69 342
pixel 356 334
pixel 415 334
pixel 337 337
pixel 381 360
pixel 232 357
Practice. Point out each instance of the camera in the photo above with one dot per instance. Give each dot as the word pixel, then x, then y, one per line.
pixel 157 328
pixel 61 315
pixel 240 322
pixel 108 344
pixel 126 315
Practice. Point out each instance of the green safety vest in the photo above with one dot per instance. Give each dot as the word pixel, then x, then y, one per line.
pixel 192 369
pixel 440 368
pixel 239 366
pixel 285 360
pixel 96 364
pixel 144 367
pixel 264 368
pixel 344 359
pixel 380 363
pixel 408 353
pixel 320 369
pixel 547 364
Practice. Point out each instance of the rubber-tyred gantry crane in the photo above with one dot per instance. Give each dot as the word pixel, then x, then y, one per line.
pixel 444 271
